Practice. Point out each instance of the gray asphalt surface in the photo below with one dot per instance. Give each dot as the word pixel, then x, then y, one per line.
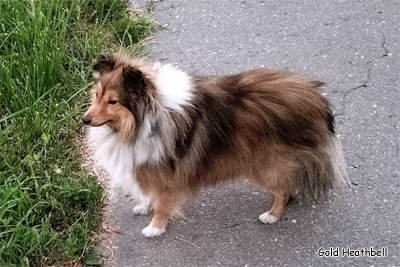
pixel 353 46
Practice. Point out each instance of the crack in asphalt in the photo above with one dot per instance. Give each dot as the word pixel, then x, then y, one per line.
pixel 383 45
pixel 368 76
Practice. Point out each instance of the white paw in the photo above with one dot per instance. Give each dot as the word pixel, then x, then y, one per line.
pixel 268 218
pixel 150 231
pixel 142 209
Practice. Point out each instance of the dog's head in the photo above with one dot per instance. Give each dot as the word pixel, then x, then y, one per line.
pixel 120 95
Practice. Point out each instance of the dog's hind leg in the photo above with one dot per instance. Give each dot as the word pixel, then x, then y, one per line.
pixel 166 205
pixel 277 180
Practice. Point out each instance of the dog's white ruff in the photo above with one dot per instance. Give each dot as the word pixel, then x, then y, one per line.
pixel 175 87
pixel 117 159
pixel 174 91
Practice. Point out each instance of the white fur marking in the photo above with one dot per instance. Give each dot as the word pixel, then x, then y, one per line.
pixel 148 148
pixel 338 162
pixel 142 209
pixel 175 91
pixel 150 231
pixel 175 87
pixel 117 158
pixel 268 218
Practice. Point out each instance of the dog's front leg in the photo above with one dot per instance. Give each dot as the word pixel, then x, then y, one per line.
pixel 143 207
pixel 166 204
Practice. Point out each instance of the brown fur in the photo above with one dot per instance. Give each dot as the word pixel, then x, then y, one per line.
pixel 271 127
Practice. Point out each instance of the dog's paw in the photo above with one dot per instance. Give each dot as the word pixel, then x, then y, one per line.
pixel 141 209
pixel 150 231
pixel 268 218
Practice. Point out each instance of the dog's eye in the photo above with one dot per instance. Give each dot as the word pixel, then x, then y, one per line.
pixel 112 102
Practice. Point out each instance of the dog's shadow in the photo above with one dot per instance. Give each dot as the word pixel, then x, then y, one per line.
pixel 234 207
pixel 222 223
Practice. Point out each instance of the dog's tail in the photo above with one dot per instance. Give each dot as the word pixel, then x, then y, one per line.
pixel 322 170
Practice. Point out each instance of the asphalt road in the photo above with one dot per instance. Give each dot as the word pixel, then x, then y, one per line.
pixel 353 46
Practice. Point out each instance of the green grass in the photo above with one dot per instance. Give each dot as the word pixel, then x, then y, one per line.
pixel 49 205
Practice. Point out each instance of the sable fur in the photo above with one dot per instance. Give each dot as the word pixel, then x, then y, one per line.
pixel 272 127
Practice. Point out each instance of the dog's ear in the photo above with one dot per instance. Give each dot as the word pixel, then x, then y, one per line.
pixel 133 80
pixel 104 63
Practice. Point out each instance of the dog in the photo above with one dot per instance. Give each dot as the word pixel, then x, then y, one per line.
pixel 163 134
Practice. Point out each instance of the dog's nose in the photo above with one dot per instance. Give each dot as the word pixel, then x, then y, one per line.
pixel 86 120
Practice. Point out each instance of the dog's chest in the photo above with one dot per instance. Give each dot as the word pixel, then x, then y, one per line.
pixel 112 155
pixel 120 159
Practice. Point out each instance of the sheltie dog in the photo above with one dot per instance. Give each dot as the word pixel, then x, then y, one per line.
pixel 162 134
